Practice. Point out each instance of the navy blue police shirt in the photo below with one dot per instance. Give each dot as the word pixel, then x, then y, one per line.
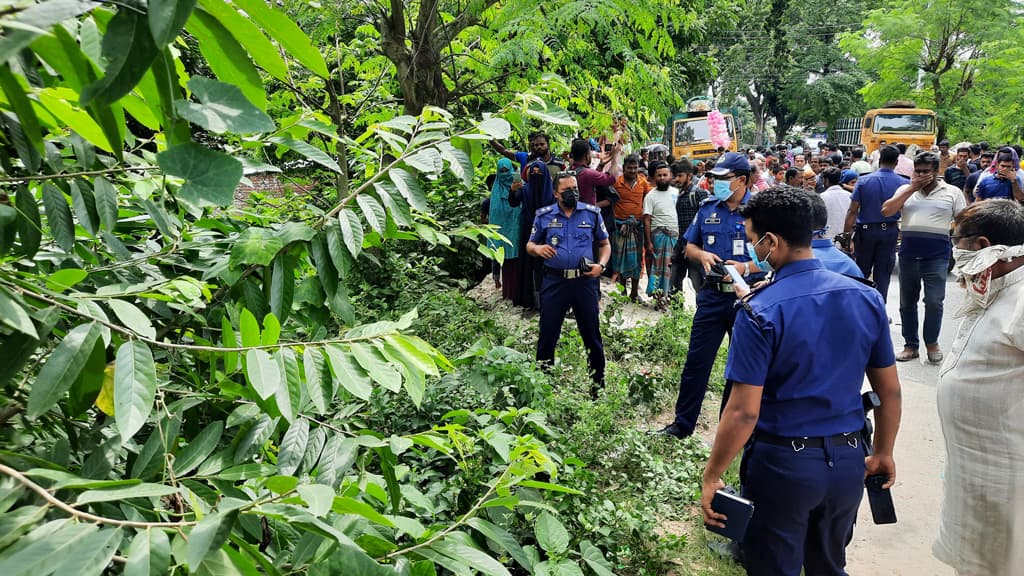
pixel 807 340
pixel 572 237
pixel 722 232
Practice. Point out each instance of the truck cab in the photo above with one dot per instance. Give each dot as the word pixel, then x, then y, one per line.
pixel 688 134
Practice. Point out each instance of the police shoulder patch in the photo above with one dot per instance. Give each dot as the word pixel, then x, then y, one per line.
pixel 546 209
pixel 709 200
pixel 590 207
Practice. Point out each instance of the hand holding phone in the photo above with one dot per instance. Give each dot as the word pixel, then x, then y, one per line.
pixel 737 278
pixel 517 178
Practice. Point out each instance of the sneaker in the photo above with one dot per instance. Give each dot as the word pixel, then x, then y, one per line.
pixel 674 430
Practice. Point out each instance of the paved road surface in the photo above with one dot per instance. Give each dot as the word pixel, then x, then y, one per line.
pixel 904 548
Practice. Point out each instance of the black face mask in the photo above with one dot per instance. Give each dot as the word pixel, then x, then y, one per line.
pixel 570 197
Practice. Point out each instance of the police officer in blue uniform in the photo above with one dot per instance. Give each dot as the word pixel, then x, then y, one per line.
pixel 717 234
pixel 565 235
pixel 801 347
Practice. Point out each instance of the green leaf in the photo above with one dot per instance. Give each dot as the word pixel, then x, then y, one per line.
pixel 348 372
pixel 223 108
pixel 38 549
pixel 308 150
pixel 338 456
pixel 35 20
pixel 134 387
pixel 14 316
pixel 373 212
pixel 58 217
pixel 209 535
pixel 262 50
pixel 496 128
pixel 396 206
pixel 595 559
pixel 503 540
pixel 22 107
pixel 144 490
pixel 293 447
pixel 166 89
pixel 29 224
pixel 282 287
pixel 149 554
pixel 210 176
pixel 351 231
pixel 106 202
pixel 320 392
pixel 166 17
pixel 129 49
pixel 256 246
pixel 317 497
pixel 90 555
pixel 289 370
pixel 199 449
pixel 62 368
pixel 548 486
pixel 226 57
pixel 15 523
pixel 409 186
pixel 64 279
pixel 379 370
pixel 346 505
pixel 281 484
pixel 263 373
pixel 84 205
pixel 250 328
pixel 30 158
pixel 551 534
pixel 287 33
pixel 476 558
pixel 132 318
pixel 271 330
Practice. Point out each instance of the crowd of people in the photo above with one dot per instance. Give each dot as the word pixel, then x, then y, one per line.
pixel 790 252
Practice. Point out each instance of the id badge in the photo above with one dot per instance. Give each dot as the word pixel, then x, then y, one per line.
pixel 739 247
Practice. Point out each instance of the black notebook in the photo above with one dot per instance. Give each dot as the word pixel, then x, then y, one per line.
pixel 737 509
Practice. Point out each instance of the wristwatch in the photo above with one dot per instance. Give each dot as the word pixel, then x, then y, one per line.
pixel 604 267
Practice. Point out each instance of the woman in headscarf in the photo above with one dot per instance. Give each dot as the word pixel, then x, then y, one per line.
pixel 506 218
pixel 536 193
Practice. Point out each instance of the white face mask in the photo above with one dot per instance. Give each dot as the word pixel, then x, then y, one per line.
pixel 974 268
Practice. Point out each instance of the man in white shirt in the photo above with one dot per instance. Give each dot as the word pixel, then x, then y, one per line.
pixel 837 200
pixel 662 230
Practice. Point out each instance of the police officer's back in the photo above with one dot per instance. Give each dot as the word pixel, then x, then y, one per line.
pixel 801 346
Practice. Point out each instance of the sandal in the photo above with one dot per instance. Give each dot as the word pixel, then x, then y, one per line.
pixel 935 356
pixel 907 354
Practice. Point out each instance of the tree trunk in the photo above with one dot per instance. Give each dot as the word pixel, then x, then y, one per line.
pixel 940 105
pixel 416 55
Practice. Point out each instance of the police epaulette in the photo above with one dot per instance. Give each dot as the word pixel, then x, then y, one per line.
pixel 709 200
pixel 546 209
pixel 590 207
pixel 743 303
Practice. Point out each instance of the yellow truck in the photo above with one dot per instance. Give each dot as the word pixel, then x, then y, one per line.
pixel 899 121
pixel 688 134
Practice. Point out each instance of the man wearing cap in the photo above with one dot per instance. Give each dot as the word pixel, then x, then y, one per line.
pixel 876 235
pixel 563 235
pixel 716 235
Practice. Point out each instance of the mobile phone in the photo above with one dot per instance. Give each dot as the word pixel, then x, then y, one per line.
pixel 882 509
pixel 517 178
pixel 607 147
pixel 737 278
pixel 737 509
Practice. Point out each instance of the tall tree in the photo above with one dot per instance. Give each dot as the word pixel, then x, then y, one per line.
pixel 935 52
pixel 784 61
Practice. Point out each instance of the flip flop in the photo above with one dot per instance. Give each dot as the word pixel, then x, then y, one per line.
pixel 906 355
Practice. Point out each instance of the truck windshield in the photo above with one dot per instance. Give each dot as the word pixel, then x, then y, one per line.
pixel 693 130
pixel 904 123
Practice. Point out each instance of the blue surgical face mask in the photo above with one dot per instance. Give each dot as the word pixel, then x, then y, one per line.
pixel 762 265
pixel 722 189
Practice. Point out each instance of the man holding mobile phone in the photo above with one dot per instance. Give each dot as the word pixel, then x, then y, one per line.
pixel 801 346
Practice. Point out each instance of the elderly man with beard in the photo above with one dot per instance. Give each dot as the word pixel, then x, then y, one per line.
pixel 980 391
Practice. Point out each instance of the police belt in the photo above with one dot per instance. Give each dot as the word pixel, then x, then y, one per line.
pixel 798 443
pixel 571 273
pixel 879 226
